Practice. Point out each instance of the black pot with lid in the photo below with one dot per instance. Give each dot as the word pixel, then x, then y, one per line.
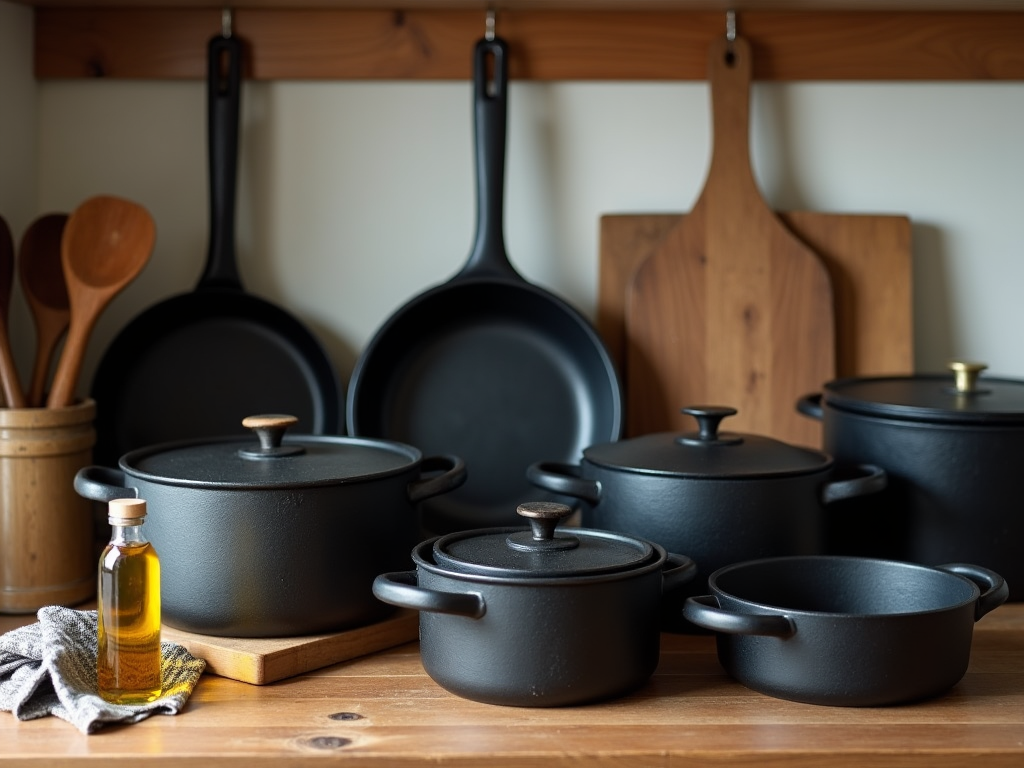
pixel 721 497
pixel 275 534
pixel 952 445
pixel 508 615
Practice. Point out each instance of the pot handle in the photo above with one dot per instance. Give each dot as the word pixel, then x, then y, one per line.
pixel 705 612
pixel 679 570
pixel 994 589
pixel 453 474
pixel 401 588
pixel 564 479
pixel 810 406
pixel 102 484
pixel 873 480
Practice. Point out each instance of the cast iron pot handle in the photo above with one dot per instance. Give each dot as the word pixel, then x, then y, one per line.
pixel 679 570
pixel 810 405
pixel 994 589
pixel 564 479
pixel 401 588
pixel 453 474
pixel 705 612
pixel 873 480
pixel 102 484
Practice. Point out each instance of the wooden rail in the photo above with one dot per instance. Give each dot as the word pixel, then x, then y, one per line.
pixel 350 44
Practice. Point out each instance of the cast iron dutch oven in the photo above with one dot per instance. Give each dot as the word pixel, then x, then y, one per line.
pixel 720 497
pixel 278 536
pixel 953 447
pixel 535 617
pixel 846 631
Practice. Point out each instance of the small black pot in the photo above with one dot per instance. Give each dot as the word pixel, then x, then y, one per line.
pixel 720 497
pixel 952 446
pixel 532 618
pixel 844 630
pixel 279 537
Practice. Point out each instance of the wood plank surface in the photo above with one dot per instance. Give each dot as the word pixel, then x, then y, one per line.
pixel 602 44
pixel 384 710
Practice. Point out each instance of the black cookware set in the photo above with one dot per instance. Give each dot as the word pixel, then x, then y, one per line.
pixel 851 575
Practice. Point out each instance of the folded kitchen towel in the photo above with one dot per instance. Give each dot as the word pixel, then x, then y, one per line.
pixel 49 668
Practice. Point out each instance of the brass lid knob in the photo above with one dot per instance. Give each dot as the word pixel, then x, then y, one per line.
pixel 966 374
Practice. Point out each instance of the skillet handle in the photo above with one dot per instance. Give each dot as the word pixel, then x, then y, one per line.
pixel 401 588
pixel 810 406
pixel 705 612
pixel 679 570
pixel 994 589
pixel 564 479
pixel 453 474
pixel 872 480
pixel 102 484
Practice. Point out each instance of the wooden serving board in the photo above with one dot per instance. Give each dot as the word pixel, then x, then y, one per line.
pixel 733 304
pixel 261 660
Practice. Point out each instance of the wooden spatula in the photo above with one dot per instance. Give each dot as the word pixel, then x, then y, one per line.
pixel 732 308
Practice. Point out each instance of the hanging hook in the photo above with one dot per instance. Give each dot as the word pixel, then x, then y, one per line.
pixel 226 18
pixel 489 25
pixel 730 27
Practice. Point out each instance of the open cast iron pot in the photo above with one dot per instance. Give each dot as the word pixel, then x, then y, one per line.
pixel 952 445
pixel 846 631
pixel 720 497
pixel 278 536
pixel 535 617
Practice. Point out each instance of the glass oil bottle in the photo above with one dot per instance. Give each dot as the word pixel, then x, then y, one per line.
pixel 128 610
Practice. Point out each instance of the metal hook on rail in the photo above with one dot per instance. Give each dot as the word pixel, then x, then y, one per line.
pixel 226 19
pixel 730 28
pixel 488 26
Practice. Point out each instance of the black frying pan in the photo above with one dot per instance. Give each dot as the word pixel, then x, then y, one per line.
pixel 196 364
pixel 487 366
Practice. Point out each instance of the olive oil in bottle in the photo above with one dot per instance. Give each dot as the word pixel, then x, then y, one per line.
pixel 128 611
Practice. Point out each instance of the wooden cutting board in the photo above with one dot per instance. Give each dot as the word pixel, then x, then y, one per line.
pixel 261 660
pixel 733 304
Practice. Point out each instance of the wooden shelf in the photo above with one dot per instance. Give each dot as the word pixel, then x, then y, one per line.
pixel 431 43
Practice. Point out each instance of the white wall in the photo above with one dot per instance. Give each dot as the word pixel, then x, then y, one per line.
pixel 355 196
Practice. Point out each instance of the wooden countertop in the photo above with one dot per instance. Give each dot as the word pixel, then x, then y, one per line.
pixel 384 710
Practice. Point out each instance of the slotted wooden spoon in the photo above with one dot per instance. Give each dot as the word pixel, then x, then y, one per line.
pixel 42 282
pixel 107 241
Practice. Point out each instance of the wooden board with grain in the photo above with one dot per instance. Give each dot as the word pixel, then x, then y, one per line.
pixel 733 305
pixel 262 660
pixel 868 257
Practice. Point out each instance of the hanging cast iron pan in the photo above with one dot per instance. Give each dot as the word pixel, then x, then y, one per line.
pixel 196 364
pixel 487 365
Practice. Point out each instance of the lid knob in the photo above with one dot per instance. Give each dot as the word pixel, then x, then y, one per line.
pixel 270 429
pixel 708 417
pixel 544 517
pixel 965 375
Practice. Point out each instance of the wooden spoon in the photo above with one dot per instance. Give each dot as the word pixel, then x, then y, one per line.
pixel 107 241
pixel 42 282
pixel 8 373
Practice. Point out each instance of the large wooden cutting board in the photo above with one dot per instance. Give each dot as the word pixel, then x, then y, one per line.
pixel 262 660
pixel 736 305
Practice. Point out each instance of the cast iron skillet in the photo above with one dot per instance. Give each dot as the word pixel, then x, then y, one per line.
pixel 196 364
pixel 487 366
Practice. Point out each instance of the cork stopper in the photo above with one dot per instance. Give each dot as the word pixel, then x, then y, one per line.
pixel 130 511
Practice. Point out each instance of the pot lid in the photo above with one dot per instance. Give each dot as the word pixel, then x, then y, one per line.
pixel 269 459
pixel 708 453
pixel 540 551
pixel 961 396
